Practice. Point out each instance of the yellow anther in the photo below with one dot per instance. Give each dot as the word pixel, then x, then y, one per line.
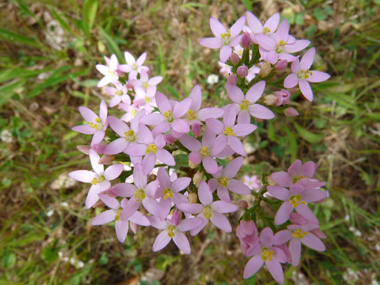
pixel 94 126
pixel 168 116
pixel 168 193
pixel 207 212
pixel 146 85
pixel 118 92
pixel 130 135
pixel 281 43
pixel 134 112
pixel 266 30
pixel 117 217
pixel 139 195
pixel 267 254
pixel 298 233
pixel 297 178
pixel 304 73
pixel 100 179
pixel 228 131
pixel 112 73
pixel 191 115
pixel 94 181
pixel 171 230
pixel 205 151
pixel 295 200
pixel 244 105
pixel 151 148
pixel 134 65
pixel 147 99
pixel 226 37
pixel 223 181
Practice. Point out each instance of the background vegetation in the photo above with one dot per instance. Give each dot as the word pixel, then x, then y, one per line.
pixel 48 54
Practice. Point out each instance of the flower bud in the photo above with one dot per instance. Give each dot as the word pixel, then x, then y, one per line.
pixel 234 58
pixel 270 99
pixel 193 198
pixel 242 71
pixel 281 65
pixel 282 97
pixel 246 40
pixel 169 139
pixel 106 159
pixel 196 129
pixel 243 204
pixel 152 177
pixel 291 112
pixel 198 177
pixel 84 148
pixel 232 79
pixel 265 69
pixel 192 165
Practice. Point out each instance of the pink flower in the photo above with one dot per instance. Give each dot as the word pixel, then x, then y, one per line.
pixel 109 71
pixel 247 233
pixel 173 229
pixel 228 132
pixel 146 85
pixel 280 44
pixel 134 67
pixel 296 198
pixel 120 94
pixel 223 39
pixel 246 104
pixel 252 182
pixel 223 180
pixel 282 97
pixel 256 27
pixel 209 210
pixel 99 178
pixel 96 125
pixel 301 75
pixel 121 226
pixel 266 253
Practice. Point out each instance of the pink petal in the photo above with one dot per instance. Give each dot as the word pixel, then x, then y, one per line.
pixel 84 129
pixel 282 178
pixel 291 80
pixel 215 125
pixel 229 115
pixel 244 118
pixel 225 53
pixel 233 167
pixel 313 195
pixel 124 189
pixel 272 22
pixel 139 219
pixel 283 213
pixel 163 103
pixel 274 268
pixel 180 126
pixel 111 202
pixel 136 150
pixel 282 237
pixel 221 222
pixel 190 208
pixel 159 141
pixel 155 80
pixel 164 156
pixel 254 23
pixel 295 251
pixel 195 157
pixel 283 31
pixel 129 208
pixel 219 144
pixel 238 187
pixel 295 67
pixel 253 265
pixel 161 241
pixel 313 242
pixel 115 147
pixel 182 107
pixel 113 171
pixel 242 130
pixel 279 192
pixel 94 159
pixel 213 43
pixel 196 95
pixel 82 175
pixel 235 93
pixel 161 128
pixel 307 59
pixel 216 27
pixel 297 46
pixel 208 138
pixel 222 207
pixel 236 145
pixel 149 162
pixel 318 76
pixel 306 90
pixel 152 119
pixel 237 27
pixel 141 59
pixel 182 242
pixel 88 114
pixel 121 228
pixel 180 184
pixel 204 193
pixel 223 194
pixel 210 164
pixel 92 196
pixel 104 218
pixel 266 42
pixel 189 224
pixel 163 178
pixel 207 113
pixel 308 214
pixel 266 237
pixel 254 93
pixel 295 169
pixel 190 143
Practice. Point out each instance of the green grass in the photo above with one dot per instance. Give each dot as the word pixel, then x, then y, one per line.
pixel 41 89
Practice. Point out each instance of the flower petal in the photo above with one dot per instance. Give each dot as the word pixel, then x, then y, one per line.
pixel 307 59
pixel 213 43
pixel 283 213
pixel 306 90
pixel 182 242
pixel 253 265
pixel 235 93
pixel 221 222
pixel 161 241
pixel 204 193
pixel 104 218
pixel 222 207
pixel 275 269
pixel 233 167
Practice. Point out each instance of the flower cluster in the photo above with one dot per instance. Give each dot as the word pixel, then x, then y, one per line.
pixel 174 165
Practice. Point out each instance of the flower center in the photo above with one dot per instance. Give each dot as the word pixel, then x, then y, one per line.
pixel 151 148
pixel 298 233
pixel 134 66
pixel 146 85
pixel 267 254
pixel 168 116
pixel 304 73
pixel 117 217
pixel 207 212
pixel 226 37
pixel 266 30
pixel 244 105
pixel 147 99
pixel 168 193
pixel 111 73
pixel 191 115
pixel 171 230
pixel 118 92
pixel 297 178
pixel 223 181
pixel 228 131
pixel 139 195
pixel 130 135
pixel 296 200
pixel 205 151
pixel 100 179
pixel 97 125
pixel 280 46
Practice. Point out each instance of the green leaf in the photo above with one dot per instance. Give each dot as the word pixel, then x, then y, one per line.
pixel 111 44
pixel 13 37
pixel 306 135
pixel 9 260
pixel 164 260
pixel 61 21
pixel 50 254
pixel 103 260
pixel 90 8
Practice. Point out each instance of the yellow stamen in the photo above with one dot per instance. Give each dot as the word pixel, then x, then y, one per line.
pixel 168 193
pixel 151 148
pixel 130 135
pixel 146 85
pixel 168 116
pixel 267 254
pixel 171 230
pixel 207 212
pixel 296 200
pixel 191 115
pixel 226 37
pixel 139 195
pixel 147 99
pixel 297 178
pixel 100 179
pixel 244 105
pixel 205 151
pixel 298 233
pixel 304 73
pixel 228 131
pixel 134 65
pixel 118 92
pixel 111 73
pixel 223 181
pixel 117 217
pixel 266 30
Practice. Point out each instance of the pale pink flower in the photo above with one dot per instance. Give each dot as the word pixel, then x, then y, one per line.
pixel 301 75
pixel 97 125
pixel 99 178
pixel 256 27
pixel 224 39
pixel 133 67
pixel 209 210
pixel 120 94
pixel 253 182
pixel 109 71
pixel 224 180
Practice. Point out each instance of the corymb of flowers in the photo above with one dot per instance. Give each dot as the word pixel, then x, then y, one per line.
pixel 137 155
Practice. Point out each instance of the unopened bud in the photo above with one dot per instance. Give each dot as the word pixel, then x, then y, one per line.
pixel 282 97
pixel 152 177
pixel 198 177
pixel 270 99
pixel 106 159
pixel 291 112
pixel 246 40
pixel 243 204
pixel 196 129
pixel 99 204
pixel 265 69
pixel 234 58
pixel 192 165
pixel 84 148
pixel 232 79
pixel 282 64
pixel 242 71
pixel 193 198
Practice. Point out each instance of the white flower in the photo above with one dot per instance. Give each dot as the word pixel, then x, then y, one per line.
pixel 212 79
pixel 6 136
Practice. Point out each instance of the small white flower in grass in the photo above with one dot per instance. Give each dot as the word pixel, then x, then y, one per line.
pixel 212 79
